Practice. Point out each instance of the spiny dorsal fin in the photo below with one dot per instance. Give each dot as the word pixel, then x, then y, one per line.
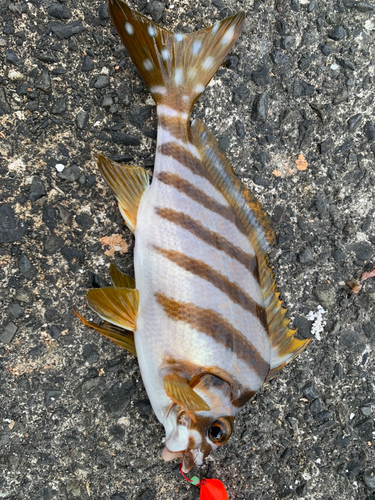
pixel 118 306
pixel 244 204
pixel 176 68
pixel 120 336
pixel 128 184
pixel 119 279
pixel 178 389
pixel 284 346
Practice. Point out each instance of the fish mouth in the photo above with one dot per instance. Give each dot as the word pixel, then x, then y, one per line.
pixel 188 459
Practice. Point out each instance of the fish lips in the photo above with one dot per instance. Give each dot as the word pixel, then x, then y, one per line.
pixel 189 458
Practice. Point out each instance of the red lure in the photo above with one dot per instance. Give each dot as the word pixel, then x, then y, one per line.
pixel 211 489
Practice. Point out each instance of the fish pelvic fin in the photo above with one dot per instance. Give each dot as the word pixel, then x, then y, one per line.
pixel 118 306
pixel 178 389
pixel 121 337
pixel 120 279
pixel 284 345
pixel 128 184
pixel 175 67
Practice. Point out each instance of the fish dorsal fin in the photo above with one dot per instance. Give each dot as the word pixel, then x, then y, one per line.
pixel 178 389
pixel 119 279
pixel 120 336
pixel 244 204
pixel 118 306
pixel 284 345
pixel 128 184
pixel 175 67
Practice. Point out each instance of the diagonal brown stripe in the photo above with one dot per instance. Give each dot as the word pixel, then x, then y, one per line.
pixel 206 272
pixel 184 157
pixel 215 326
pixel 176 125
pixel 210 237
pixel 200 197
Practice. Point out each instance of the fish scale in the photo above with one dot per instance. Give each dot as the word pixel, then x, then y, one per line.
pixel 203 316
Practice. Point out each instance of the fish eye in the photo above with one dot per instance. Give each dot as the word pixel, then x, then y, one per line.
pixel 220 431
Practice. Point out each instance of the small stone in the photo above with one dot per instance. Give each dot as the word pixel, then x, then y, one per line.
pixel 261 77
pixel 316 406
pixel 90 354
pixel 311 6
pixel 85 220
pixel 344 63
pixel 51 397
pixel 103 12
pixel 337 33
pixel 71 174
pixel 138 115
pixel 366 410
pixel 88 64
pixel 59 106
pixel 26 267
pixel 6 148
pixel 362 249
pixel 65 215
pixel 8 333
pixel 364 7
pixel 4 105
pixel 369 131
pixel 260 107
pixel 325 295
pixel 52 244
pixel 306 256
pixel 15 75
pixel 36 190
pixel 107 101
pixel 369 478
pixel 304 327
pixel 240 94
pixel 72 253
pixel 117 433
pixel 339 255
pixel 287 42
pixel 240 129
pixel 101 82
pixel 82 118
pixel 12 58
pixel 43 82
pixel 353 341
pixel 354 122
pixel 147 495
pixel 326 50
pixel 11 229
pixel 49 217
pixel 64 31
pixel 125 139
pixel 117 398
pixel 301 490
pixel 155 10
pixel 341 97
pixel 59 11
pixel 14 310
pixel 309 391
pixel 55 332
pixel 304 62
pixel 23 296
pixel 294 5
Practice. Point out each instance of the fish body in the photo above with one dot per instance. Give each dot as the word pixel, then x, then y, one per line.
pixel 209 328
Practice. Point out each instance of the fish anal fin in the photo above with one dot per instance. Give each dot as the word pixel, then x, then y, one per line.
pixel 118 306
pixel 128 184
pixel 121 337
pixel 120 279
pixel 175 67
pixel 244 204
pixel 178 389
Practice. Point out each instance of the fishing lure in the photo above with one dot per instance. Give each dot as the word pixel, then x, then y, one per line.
pixel 203 315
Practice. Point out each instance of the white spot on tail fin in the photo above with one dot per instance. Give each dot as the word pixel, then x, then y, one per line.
pixel 199 88
pixel 192 73
pixel 196 47
pixel 215 27
pixel 208 63
pixel 164 54
pixel 179 37
pixel 158 89
pixel 151 31
pixel 178 76
pixel 147 64
pixel 228 35
pixel 129 29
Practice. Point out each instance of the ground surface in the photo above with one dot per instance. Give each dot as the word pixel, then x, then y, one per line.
pixel 75 421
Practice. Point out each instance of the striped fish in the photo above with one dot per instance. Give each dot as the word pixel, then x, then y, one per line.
pixel 203 315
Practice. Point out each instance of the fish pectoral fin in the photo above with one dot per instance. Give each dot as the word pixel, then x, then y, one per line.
pixel 121 337
pixel 178 389
pixel 120 279
pixel 118 306
pixel 128 184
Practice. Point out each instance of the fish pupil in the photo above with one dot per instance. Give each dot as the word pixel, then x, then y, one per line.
pixel 216 432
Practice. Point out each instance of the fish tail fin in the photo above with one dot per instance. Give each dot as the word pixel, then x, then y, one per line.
pixel 175 67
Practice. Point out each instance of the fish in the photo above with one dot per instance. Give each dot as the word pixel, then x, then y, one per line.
pixel 202 315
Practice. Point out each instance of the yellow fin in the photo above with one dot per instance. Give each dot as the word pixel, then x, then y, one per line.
pixel 120 336
pixel 119 279
pixel 118 306
pixel 128 184
pixel 178 389
pixel 244 204
pixel 175 67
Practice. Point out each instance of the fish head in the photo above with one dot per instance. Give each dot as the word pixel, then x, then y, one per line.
pixel 192 436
